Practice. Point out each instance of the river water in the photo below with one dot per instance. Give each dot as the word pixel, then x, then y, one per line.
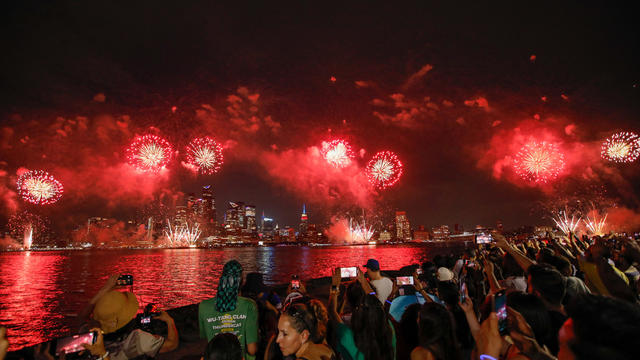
pixel 41 293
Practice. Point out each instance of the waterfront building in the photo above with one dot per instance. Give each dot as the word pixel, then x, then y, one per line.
pixel 210 223
pixel 304 222
pixel 403 228
pixel 250 220
pixel 440 233
pixel 384 236
pixel 420 234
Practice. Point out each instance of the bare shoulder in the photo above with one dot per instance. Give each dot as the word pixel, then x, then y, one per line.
pixel 421 353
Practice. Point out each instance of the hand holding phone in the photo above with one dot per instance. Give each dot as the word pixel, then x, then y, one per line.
pixel 500 308
pixel 484 239
pixel 72 344
pixel 463 292
pixel 349 272
pixel 404 280
pixel 295 284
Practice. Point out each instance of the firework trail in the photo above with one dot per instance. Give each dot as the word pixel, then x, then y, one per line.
pixel 205 155
pixel 596 225
pixel 40 188
pixel 149 153
pixel 337 153
pixel 623 147
pixel 384 169
pixel 539 162
pixel 360 233
pixel 183 235
pixel 27 226
pixel 565 224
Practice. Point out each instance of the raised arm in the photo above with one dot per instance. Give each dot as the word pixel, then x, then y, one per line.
pixel 108 286
pixel 494 286
pixel 418 285
pixel 364 283
pixel 520 257
pixel 334 290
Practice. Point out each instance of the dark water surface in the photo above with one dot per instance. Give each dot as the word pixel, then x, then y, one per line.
pixel 41 293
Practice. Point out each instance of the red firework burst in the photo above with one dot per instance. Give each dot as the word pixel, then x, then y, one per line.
pixel 539 162
pixel 205 155
pixel 337 153
pixel 384 169
pixel 149 153
pixel 40 188
pixel 622 147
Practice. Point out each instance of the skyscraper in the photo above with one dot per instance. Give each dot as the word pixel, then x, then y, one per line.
pixel 250 216
pixel 304 222
pixel 403 228
pixel 231 223
pixel 210 223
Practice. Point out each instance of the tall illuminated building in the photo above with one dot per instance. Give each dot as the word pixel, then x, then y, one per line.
pixel 403 228
pixel 210 224
pixel 231 218
pixel 250 219
pixel 304 222
pixel 268 227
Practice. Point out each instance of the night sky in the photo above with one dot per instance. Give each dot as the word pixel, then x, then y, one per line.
pixel 451 87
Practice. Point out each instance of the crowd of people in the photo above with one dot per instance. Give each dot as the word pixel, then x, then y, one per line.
pixel 565 298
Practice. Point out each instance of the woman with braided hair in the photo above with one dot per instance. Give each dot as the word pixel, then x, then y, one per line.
pixel 228 312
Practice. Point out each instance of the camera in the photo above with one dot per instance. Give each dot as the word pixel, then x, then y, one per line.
pixel 125 280
pixel 295 284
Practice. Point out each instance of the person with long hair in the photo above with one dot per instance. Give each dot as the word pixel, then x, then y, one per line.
pixel 436 334
pixel 371 335
pixel 228 312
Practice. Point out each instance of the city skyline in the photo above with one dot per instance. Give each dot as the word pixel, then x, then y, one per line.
pixel 457 103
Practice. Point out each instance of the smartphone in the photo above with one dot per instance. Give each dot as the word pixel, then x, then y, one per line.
pixel 295 284
pixel 471 264
pixel 72 344
pixel 145 320
pixel 349 272
pixel 404 280
pixel 484 239
pixel 500 308
pixel 124 280
pixel 463 291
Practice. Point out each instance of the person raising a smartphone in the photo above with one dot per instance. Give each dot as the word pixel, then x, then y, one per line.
pixel 114 313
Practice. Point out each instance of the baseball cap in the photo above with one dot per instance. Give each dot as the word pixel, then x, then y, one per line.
pixel 445 274
pixel 372 264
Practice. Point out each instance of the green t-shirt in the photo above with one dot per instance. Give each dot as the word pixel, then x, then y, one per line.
pixel 347 344
pixel 243 321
